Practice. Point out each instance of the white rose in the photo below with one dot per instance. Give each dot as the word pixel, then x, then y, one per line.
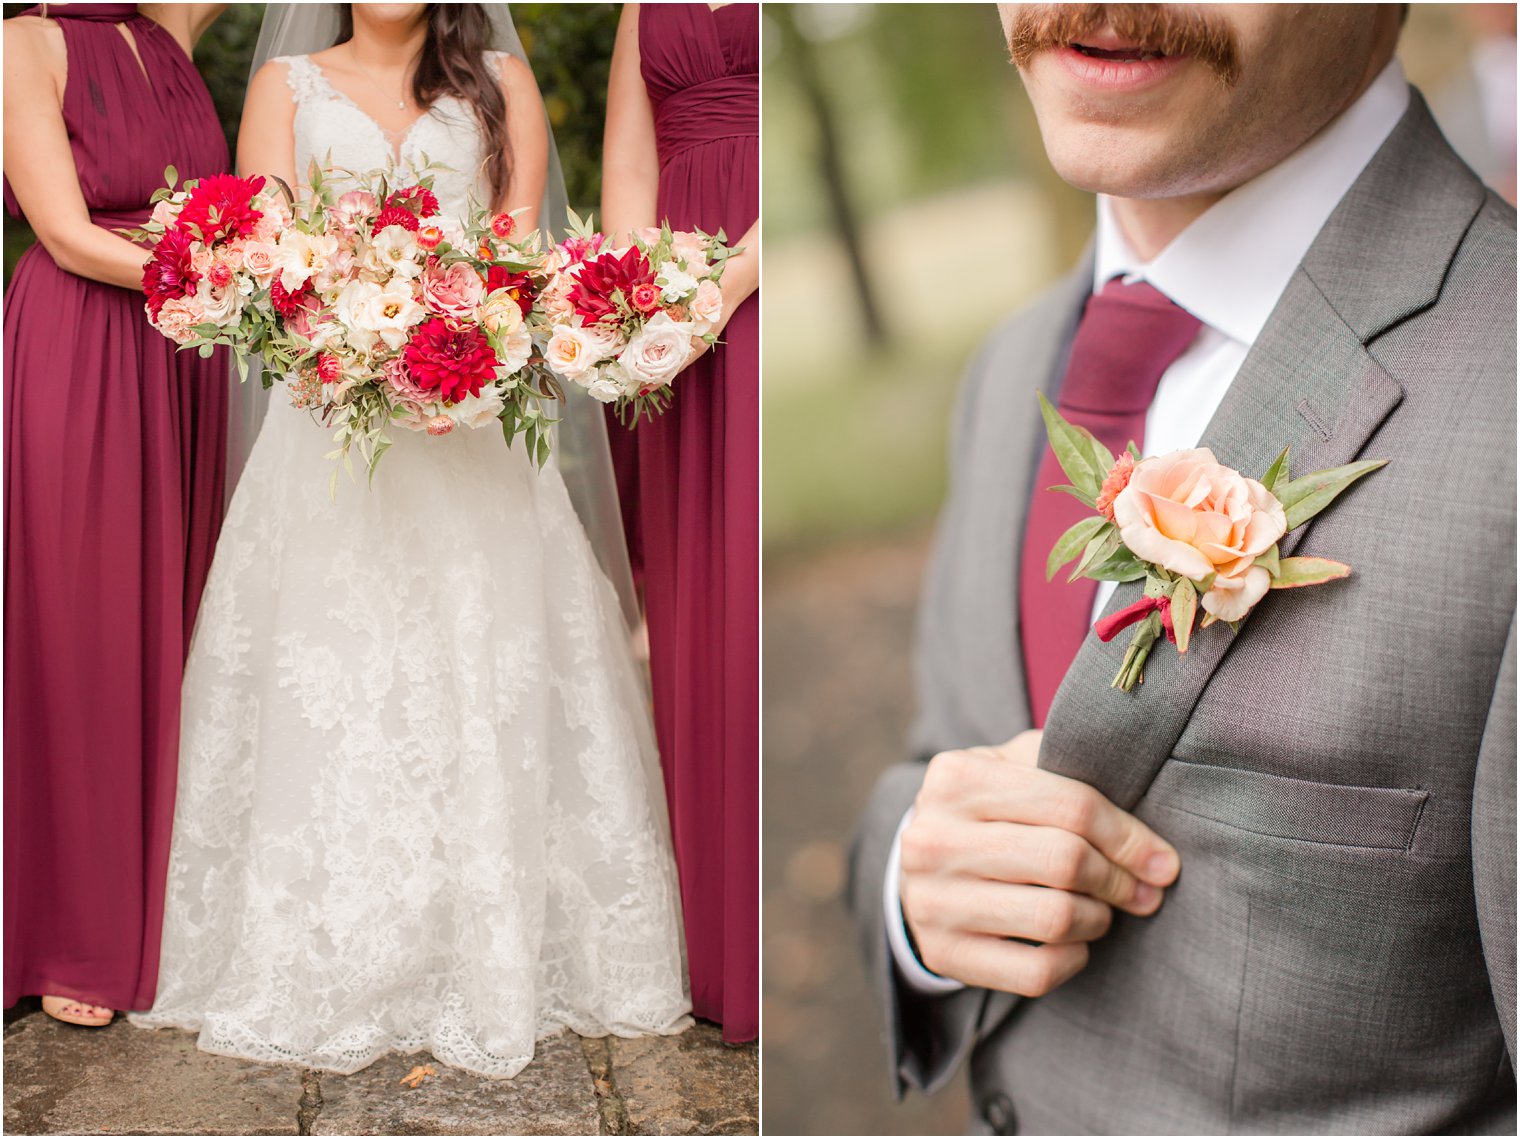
pixel 605 389
pixel 605 338
pixel 569 352
pixel 516 349
pixel 675 284
pixel 657 353
pixel 393 250
pixel 301 255
pixel 706 308
pixel 220 306
pixel 478 410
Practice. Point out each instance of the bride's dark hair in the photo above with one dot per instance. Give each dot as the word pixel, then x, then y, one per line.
pixel 453 62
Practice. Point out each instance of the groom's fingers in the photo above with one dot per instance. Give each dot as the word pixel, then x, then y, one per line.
pixel 1018 792
pixel 1001 909
pixel 994 963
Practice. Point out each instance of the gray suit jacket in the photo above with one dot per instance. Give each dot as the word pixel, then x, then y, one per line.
pixel 1338 955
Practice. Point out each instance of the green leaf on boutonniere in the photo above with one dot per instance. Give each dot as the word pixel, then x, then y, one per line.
pixel 1184 609
pixel 1121 565
pixel 1086 500
pixel 1277 471
pixel 1098 550
pixel 1081 456
pixel 1133 450
pixel 1070 544
pixel 1305 497
pixel 1295 572
pixel 1268 561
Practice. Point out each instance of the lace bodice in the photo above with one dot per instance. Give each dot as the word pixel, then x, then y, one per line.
pixel 330 127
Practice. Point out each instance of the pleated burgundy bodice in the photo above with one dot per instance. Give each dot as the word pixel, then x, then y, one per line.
pixel 128 120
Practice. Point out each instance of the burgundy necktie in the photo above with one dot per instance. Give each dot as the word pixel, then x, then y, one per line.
pixel 1128 336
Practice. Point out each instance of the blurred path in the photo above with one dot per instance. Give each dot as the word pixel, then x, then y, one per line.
pixel 838 631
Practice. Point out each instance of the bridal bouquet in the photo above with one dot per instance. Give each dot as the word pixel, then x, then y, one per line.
pixel 620 322
pixel 1202 535
pixel 376 312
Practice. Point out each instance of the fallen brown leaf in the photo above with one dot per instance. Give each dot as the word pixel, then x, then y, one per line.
pixel 414 1078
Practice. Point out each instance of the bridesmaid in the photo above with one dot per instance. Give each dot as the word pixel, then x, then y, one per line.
pixel 113 495
pixel 682 144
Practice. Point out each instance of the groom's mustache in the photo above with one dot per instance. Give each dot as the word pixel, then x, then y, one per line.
pixel 1164 28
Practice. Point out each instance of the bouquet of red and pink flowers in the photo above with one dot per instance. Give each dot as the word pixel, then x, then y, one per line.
pixel 374 310
pixel 621 322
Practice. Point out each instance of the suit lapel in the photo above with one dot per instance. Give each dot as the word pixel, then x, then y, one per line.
pixel 1309 383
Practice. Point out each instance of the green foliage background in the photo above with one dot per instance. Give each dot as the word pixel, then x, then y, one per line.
pixel 570 46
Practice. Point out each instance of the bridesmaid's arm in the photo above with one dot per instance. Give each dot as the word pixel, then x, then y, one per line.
pixel 528 137
pixel 40 164
pixel 630 157
pixel 267 138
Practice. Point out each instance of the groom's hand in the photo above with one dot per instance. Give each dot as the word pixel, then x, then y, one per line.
pixel 999 849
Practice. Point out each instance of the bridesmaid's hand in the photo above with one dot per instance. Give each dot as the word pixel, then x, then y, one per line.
pixel 741 277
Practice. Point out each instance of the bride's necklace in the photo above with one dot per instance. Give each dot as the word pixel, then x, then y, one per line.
pixel 401 104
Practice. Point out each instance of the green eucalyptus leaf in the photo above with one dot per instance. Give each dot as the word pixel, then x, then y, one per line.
pixel 1070 544
pixel 1305 497
pixel 1099 549
pixel 1073 451
pixel 1184 609
pixel 1295 572
pixel 1277 471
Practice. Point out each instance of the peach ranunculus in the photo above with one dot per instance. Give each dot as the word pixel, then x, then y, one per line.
pixel 1191 515
pixel 178 317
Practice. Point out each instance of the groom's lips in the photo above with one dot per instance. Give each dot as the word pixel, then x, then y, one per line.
pixel 1104 63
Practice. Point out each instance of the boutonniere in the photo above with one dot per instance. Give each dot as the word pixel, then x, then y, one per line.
pixel 1203 536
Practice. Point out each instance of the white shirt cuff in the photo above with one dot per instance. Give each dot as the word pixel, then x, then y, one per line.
pixel 912 969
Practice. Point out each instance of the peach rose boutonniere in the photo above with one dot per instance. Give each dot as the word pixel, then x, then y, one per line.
pixel 1202 535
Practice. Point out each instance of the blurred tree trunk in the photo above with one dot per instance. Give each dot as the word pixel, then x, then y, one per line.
pixel 831 169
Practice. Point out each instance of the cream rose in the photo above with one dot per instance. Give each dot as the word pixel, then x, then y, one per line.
pixel 220 306
pixel 500 314
pixel 516 350
pixel 569 352
pixel 1189 514
pixel 605 338
pixel 657 353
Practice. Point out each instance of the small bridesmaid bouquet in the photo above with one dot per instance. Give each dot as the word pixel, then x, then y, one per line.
pixel 1203 536
pixel 620 322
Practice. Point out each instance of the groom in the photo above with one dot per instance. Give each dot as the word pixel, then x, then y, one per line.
pixel 1273 888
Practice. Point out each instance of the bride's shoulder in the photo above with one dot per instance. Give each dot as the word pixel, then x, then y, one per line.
pixel 515 74
pixel 294 77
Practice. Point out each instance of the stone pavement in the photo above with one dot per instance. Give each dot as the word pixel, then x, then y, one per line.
pixel 122 1080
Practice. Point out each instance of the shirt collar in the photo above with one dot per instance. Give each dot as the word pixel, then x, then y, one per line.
pixel 1266 224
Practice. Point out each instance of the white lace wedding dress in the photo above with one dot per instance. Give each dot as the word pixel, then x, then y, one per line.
pixel 418 806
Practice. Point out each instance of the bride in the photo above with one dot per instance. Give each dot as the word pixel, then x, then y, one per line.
pixel 419 805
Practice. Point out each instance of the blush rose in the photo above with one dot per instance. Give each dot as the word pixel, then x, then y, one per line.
pixel 1190 514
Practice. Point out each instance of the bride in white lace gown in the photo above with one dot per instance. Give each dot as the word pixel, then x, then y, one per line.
pixel 418 803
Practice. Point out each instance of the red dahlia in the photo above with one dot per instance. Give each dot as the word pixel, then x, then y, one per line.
pixel 417 199
pixel 600 277
pixel 285 302
pixel 395 215
pixel 518 285
pixel 450 357
pixel 170 272
pixel 221 206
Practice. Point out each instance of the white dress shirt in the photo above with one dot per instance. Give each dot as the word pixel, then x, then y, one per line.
pixel 1263 227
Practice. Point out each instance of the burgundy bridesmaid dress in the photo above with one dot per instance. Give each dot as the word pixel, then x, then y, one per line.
pixel 696 520
pixel 114 449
